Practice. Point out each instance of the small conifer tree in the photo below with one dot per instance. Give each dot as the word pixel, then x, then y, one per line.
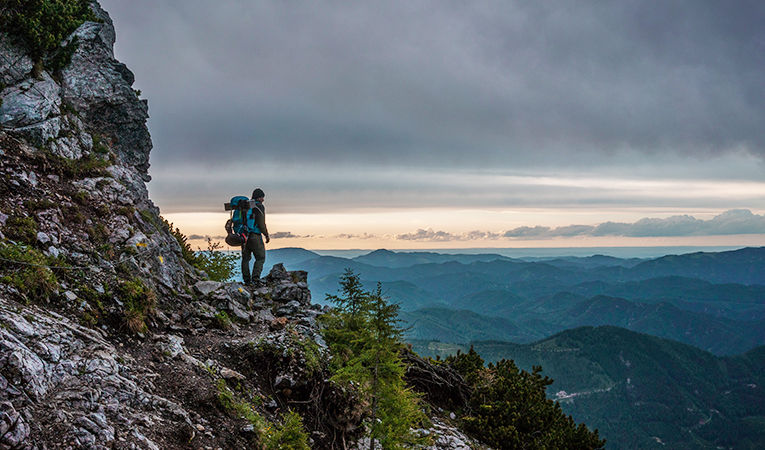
pixel 366 342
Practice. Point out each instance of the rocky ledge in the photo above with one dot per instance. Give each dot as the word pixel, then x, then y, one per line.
pixel 66 385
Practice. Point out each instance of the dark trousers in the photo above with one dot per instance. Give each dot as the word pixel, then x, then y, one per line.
pixel 254 246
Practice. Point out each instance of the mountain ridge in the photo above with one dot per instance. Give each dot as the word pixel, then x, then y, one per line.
pixel 622 381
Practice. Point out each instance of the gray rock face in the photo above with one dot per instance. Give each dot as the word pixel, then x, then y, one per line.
pixel 207 287
pixel 77 374
pixel 291 308
pixel 289 286
pixel 170 345
pixel 445 437
pixel 15 64
pixel 29 102
pixel 14 431
pixel 100 88
pixel 41 132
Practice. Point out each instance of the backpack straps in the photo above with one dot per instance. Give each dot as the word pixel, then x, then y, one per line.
pixel 243 209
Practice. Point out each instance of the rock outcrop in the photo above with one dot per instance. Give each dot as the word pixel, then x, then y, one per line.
pixel 109 338
pixel 78 139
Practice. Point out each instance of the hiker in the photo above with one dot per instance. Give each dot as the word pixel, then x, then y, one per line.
pixel 256 226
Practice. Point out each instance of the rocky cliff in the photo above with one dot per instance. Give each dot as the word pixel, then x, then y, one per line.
pixel 108 337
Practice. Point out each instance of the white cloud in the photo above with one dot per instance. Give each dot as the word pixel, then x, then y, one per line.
pixel 356 236
pixel 287 235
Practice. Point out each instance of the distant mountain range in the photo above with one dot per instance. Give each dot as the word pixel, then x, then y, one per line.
pixel 640 391
pixel 715 301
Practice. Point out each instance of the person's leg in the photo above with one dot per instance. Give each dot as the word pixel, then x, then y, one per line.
pixel 259 249
pixel 246 252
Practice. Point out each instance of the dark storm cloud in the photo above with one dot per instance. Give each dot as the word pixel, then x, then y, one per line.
pixel 445 82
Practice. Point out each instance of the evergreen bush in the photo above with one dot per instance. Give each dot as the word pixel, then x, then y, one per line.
pixel 290 434
pixel 508 408
pixel 41 26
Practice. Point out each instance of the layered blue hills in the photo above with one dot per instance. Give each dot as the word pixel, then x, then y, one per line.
pixel 662 352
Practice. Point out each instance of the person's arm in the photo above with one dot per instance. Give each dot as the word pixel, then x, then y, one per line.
pixel 261 222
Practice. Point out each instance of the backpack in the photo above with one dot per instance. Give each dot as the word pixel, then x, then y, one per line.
pixel 251 217
pixel 236 226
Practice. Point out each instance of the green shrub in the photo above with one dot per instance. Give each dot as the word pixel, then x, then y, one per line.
pixel 41 25
pixel 467 364
pixel 151 219
pixel 86 166
pixel 21 229
pixel 311 355
pixel 139 301
pixel 38 204
pixel 89 165
pixel 222 320
pixel 241 408
pixel 23 268
pixel 98 233
pixel 81 197
pixel 289 435
pixel 508 408
pixel 98 144
pixel 126 211
pixel 217 265
pixel 186 251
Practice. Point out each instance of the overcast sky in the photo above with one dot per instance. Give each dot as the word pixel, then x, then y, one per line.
pixel 445 113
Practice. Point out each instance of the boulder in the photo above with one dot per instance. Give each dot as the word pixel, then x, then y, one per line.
pixel 290 309
pixel 278 323
pixel 30 102
pixel 14 431
pixel 229 374
pixel 288 286
pixel 15 64
pixel 278 274
pixel 170 345
pixel 43 132
pixel 264 315
pixel 206 288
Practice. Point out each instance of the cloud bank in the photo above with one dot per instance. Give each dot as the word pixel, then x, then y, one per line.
pixel 286 91
pixel 731 222
pixel 406 80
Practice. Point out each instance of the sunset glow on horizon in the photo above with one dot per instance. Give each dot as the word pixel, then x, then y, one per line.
pixel 398 230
